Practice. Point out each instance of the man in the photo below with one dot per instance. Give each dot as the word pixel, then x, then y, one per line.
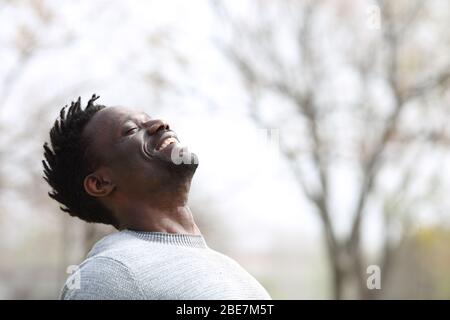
pixel 123 168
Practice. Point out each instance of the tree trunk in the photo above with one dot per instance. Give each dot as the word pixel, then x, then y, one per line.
pixel 338 283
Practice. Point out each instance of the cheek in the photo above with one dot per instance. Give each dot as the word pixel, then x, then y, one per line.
pixel 125 154
pixel 133 169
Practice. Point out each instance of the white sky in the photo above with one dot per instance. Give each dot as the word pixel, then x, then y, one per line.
pixel 257 198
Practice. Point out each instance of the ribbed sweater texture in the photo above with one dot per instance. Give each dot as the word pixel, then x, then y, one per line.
pixel 159 266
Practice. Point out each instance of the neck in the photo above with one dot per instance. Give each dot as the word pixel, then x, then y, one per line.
pixel 169 220
pixel 167 212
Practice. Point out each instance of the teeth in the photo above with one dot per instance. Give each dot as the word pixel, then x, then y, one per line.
pixel 167 142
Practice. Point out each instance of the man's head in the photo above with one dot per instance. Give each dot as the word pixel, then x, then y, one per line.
pixel 102 159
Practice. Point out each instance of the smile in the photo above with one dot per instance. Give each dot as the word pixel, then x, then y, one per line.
pixel 166 142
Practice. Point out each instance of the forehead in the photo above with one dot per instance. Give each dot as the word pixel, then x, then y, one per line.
pixel 106 122
pixel 115 116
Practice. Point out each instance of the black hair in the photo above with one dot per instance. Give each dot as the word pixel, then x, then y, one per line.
pixel 68 162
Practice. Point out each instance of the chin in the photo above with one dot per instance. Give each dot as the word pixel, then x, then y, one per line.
pixel 180 161
pixel 187 167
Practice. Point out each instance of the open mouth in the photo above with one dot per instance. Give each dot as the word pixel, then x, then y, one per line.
pixel 165 143
pixel 162 147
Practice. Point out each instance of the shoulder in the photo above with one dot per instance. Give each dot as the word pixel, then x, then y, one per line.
pixel 101 277
pixel 235 270
pixel 224 258
pixel 114 241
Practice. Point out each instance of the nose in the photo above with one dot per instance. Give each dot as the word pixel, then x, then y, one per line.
pixel 155 125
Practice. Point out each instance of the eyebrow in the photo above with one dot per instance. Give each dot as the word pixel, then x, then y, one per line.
pixel 134 117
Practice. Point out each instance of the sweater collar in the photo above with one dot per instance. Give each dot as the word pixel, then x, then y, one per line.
pixel 185 240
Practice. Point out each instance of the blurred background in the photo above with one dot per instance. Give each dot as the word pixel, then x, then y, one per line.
pixel 320 127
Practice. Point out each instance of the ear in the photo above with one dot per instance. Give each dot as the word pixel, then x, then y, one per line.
pixel 98 185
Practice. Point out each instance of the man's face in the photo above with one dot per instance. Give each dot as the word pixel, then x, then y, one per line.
pixel 138 151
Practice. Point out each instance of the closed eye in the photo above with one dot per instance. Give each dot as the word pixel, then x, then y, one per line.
pixel 131 131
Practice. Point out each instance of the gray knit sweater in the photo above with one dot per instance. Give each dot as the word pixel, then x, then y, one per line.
pixel 155 265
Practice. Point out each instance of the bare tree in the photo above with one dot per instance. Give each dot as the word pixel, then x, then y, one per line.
pixel 280 49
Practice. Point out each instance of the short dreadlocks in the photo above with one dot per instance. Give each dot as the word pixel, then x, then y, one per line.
pixel 68 164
